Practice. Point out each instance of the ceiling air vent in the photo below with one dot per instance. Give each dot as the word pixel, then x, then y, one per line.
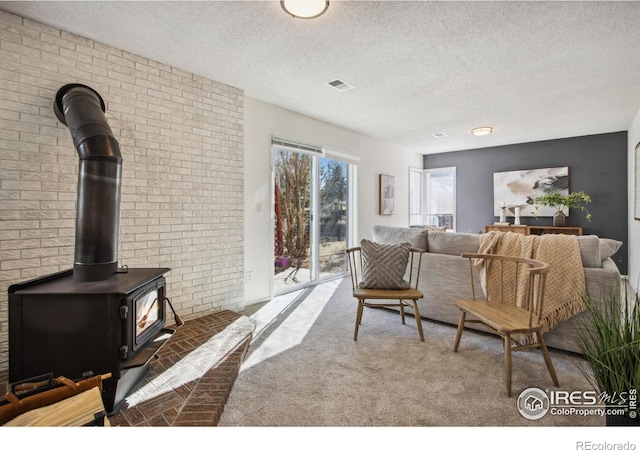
pixel 340 85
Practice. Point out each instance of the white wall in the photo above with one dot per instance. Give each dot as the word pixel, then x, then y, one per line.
pixel 262 121
pixel 634 225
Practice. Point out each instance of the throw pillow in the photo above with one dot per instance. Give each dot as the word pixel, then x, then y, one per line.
pixel 417 237
pixel 590 250
pixel 384 265
pixel 608 248
pixel 453 243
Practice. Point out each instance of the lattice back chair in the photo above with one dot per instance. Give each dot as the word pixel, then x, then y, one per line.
pixel 513 309
pixel 384 298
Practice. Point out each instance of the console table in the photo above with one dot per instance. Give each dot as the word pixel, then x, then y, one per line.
pixel 535 229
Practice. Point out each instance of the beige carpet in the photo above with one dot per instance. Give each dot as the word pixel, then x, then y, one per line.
pixel 304 369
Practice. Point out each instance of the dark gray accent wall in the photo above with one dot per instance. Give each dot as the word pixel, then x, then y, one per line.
pixel 597 165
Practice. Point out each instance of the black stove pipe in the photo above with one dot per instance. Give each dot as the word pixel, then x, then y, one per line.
pixel 82 109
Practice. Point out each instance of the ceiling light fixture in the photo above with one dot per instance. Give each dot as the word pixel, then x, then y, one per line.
pixel 305 9
pixel 482 131
pixel 439 135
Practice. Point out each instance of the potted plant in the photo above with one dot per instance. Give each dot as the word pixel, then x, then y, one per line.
pixel 610 343
pixel 554 199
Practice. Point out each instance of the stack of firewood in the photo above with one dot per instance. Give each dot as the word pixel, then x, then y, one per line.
pixel 54 402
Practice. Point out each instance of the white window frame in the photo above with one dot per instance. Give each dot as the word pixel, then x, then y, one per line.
pixel 427 195
pixel 416 217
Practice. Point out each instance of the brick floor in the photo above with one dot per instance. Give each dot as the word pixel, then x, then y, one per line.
pixel 191 380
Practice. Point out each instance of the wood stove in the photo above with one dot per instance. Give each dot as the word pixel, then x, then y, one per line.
pixel 68 328
pixel 96 317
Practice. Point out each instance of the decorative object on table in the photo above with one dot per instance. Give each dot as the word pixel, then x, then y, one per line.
pixel 517 215
pixel 503 212
pixel 610 342
pixel 637 178
pixel 520 187
pixel 387 195
pixel 562 204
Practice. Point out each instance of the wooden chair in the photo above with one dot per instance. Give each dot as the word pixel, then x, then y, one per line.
pixel 381 298
pixel 503 313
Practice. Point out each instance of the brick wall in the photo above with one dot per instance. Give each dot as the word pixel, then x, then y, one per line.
pixel 181 137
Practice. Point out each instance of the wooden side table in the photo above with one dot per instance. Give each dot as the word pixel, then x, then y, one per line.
pixel 534 229
pixel 522 229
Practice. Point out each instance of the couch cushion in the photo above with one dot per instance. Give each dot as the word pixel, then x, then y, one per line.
pixel 590 250
pixel 608 248
pixel 453 243
pixel 384 265
pixel 417 237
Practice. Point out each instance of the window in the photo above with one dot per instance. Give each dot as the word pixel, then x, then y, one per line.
pixel 440 197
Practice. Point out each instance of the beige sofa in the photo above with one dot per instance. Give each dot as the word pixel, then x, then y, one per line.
pixel 444 276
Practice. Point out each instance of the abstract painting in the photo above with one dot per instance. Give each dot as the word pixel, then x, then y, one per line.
pixel 521 187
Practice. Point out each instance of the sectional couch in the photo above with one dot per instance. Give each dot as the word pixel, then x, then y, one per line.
pixel 444 276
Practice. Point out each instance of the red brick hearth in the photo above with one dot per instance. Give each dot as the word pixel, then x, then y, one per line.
pixel 191 380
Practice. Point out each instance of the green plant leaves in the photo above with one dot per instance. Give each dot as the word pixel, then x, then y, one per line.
pixel 555 199
pixel 610 342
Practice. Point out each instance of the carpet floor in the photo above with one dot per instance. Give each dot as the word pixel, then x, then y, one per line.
pixel 304 369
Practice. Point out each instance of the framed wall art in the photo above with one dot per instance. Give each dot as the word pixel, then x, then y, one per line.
pixel 636 175
pixel 387 195
pixel 520 187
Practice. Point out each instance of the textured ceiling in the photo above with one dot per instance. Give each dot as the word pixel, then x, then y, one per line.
pixel 533 70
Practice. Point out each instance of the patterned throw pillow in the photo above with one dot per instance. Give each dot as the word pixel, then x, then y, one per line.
pixel 384 265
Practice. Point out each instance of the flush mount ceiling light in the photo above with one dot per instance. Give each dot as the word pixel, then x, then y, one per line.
pixel 305 9
pixel 482 131
pixel 439 135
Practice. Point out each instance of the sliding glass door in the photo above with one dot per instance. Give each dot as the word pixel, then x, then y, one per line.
pixel 333 203
pixel 311 210
pixel 292 214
